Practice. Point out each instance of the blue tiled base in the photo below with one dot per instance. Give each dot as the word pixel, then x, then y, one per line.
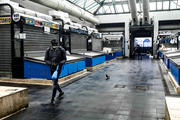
pixel 175 72
pixel 166 62
pixel 90 62
pixel 110 56
pixel 42 71
pixel 118 54
pixel 160 54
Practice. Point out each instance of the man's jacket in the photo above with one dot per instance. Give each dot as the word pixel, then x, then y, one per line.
pixel 55 56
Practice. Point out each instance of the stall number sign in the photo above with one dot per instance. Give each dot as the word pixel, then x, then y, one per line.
pixel 29 21
pixel 47 30
pixel 16 17
pixel 38 23
pixel 51 25
pixel 5 20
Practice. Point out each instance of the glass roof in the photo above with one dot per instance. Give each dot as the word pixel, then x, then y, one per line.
pixel 98 7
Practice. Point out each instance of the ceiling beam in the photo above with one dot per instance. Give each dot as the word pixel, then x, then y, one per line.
pixel 101 4
pixel 115 10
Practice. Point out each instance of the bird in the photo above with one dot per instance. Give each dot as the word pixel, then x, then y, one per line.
pixel 107 77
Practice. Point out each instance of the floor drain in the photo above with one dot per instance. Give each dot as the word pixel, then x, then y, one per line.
pixel 142 87
pixel 69 101
pixel 119 86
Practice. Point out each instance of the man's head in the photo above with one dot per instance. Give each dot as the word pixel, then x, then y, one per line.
pixel 54 42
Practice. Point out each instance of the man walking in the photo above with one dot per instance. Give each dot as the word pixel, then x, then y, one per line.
pixel 55 56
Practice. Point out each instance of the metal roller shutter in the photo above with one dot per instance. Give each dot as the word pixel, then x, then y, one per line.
pixel 78 42
pixel 5 51
pixel 114 44
pixel 36 39
pixel 96 44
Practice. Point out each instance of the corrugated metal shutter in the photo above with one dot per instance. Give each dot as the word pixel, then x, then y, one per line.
pixel 78 42
pixel 96 44
pixel 36 39
pixel 5 51
pixel 114 44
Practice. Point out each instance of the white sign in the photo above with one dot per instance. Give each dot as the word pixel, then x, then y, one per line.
pixel 143 41
pixel 16 17
pixel 22 35
pixel 19 35
pixel 16 35
pixel 46 29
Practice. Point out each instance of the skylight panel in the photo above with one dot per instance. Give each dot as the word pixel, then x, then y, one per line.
pixel 152 5
pixel 159 5
pixel 126 8
pixel 119 8
pixel 165 5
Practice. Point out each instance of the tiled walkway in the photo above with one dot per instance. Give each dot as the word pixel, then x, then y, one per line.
pixel 133 92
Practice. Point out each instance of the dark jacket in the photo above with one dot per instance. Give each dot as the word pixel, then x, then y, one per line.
pixel 138 49
pixel 55 56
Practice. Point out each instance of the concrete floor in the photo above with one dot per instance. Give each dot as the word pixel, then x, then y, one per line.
pixel 133 92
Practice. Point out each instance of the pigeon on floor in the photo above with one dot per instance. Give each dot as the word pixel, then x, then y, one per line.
pixel 107 77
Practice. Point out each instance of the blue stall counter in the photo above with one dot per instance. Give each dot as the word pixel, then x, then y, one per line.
pixel 35 69
pixel 110 56
pixel 93 58
pixel 93 61
pixel 163 53
pixel 168 56
pixel 118 53
pixel 174 67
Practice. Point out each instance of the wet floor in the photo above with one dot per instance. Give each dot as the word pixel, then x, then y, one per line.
pixel 133 92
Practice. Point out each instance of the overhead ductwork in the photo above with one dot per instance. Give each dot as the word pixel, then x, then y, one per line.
pixel 133 9
pixel 146 19
pixel 32 13
pixel 65 6
pixel 23 11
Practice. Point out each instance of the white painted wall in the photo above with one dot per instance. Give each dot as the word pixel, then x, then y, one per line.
pixel 127 41
pixel 116 18
pixel 161 15
pixel 166 15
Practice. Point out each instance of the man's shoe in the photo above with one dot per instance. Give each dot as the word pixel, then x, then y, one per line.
pixel 52 102
pixel 59 97
pixel 61 94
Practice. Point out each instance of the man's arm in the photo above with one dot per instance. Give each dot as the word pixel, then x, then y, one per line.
pixel 46 58
pixel 63 56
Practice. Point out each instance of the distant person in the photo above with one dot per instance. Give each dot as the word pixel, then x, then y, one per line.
pixel 55 55
pixel 138 51
pixel 172 41
pixel 158 45
pixel 162 47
